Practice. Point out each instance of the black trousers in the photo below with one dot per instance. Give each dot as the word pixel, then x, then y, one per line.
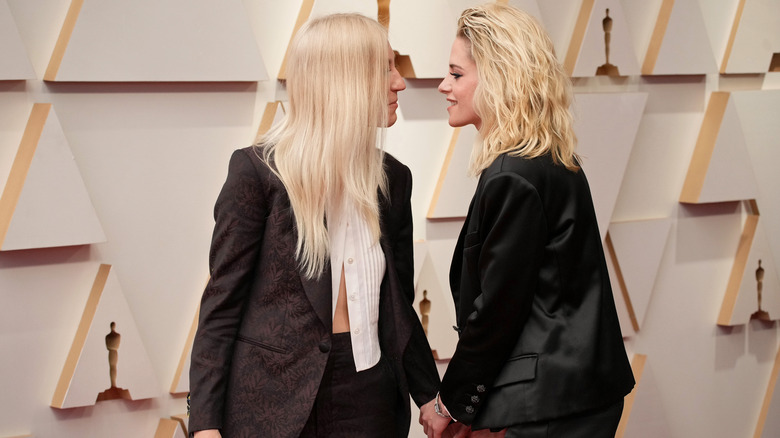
pixel 597 423
pixel 351 404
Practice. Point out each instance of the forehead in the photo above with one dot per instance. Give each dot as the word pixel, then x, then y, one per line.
pixel 461 52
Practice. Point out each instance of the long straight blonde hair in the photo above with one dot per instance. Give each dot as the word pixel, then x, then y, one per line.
pixel 329 146
pixel 523 95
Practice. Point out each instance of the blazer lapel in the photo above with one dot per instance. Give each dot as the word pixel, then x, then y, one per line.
pixel 319 293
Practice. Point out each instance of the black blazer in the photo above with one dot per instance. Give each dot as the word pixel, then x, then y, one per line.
pixel 264 331
pixel 539 333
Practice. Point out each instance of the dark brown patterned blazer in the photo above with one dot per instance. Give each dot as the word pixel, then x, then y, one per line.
pixel 264 331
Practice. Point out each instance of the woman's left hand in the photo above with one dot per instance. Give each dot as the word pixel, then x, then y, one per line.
pixel 433 423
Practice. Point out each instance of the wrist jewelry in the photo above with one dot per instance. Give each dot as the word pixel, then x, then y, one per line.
pixel 437 408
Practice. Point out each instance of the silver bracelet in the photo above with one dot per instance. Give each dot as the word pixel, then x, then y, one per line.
pixel 437 408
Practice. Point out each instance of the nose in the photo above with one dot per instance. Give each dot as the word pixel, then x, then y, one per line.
pixel 398 82
pixel 444 86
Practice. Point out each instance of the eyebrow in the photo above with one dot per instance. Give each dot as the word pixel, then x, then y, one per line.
pixel 456 66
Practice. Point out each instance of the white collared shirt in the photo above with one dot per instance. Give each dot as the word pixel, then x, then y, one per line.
pixel 352 246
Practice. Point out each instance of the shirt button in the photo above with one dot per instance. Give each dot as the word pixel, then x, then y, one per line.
pixel 353 297
pixel 469 409
pixel 475 399
pixel 349 260
pixel 356 331
pixel 481 388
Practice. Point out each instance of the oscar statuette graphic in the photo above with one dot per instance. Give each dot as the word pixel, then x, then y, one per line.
pixel 760 314
pixel 607 69
pixel 112 345
pixel 425 311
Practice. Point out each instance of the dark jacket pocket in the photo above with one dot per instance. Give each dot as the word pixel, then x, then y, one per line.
pixel 517 369
pixel 260 344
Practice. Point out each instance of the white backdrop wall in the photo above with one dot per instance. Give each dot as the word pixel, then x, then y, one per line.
pixel 153 155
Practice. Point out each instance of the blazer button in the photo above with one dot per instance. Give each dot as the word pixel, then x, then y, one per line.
pixel 469 409
pixel 324 347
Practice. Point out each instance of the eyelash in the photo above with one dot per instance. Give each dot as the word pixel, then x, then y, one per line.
pixel 456 75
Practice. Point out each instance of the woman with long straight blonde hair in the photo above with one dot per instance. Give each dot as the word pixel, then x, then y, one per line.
pixel 306 326
pixel 540 352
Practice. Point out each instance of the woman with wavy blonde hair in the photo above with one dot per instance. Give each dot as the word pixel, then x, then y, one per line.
pixel 306 326
pixel 540 352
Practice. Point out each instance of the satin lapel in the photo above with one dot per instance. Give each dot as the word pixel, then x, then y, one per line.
pixel 319 293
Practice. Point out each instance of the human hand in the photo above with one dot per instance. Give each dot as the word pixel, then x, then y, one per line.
pixel 208 433
pixel 433 423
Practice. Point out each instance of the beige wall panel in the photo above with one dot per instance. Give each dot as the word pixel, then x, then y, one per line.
pixel 14 62
pixel 435 23
pixel 755 37
pixel 455 187
pixel 49 214
pixel 181 378
pixel 759 112
pixel 169 428
pixel 686 47
pixel 560 19
pixel 86 373
pixel 324 7
pixel 182 41
pixel 639 268
pixel 606 125
pixel 592 52
pixel 743 286
pixel 647 418
pixel 769 418
pixel 718 19
pixel 420 139
pixel 420 249
pixel 625 312
pixel 441 336
pixel 720 168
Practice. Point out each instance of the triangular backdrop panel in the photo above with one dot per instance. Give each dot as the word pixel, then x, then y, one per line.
pixel 743 284
pixel 720 168
pixel 759 112
pixel 647 418
pixel 606 125
pixel 420 249
pixel 769 418
pixel 625 313
pixel 684 46
pixel 718 18
pixel 411 22
pixel 639 268
pixel 87 370
pixel 181 379
pixel 169 428
pixel 592 44
pixel 183 40
pixel 455 188
pixel 272 115
pixel 441 335
pixel 755 37
pixel 14 62
pixel 45 202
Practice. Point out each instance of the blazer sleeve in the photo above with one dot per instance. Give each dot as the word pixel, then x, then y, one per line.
pixel 419 366
pixel 502 257
pixel 239 213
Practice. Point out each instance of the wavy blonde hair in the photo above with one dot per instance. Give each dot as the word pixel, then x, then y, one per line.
pixel 329 146
pixel 523 94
